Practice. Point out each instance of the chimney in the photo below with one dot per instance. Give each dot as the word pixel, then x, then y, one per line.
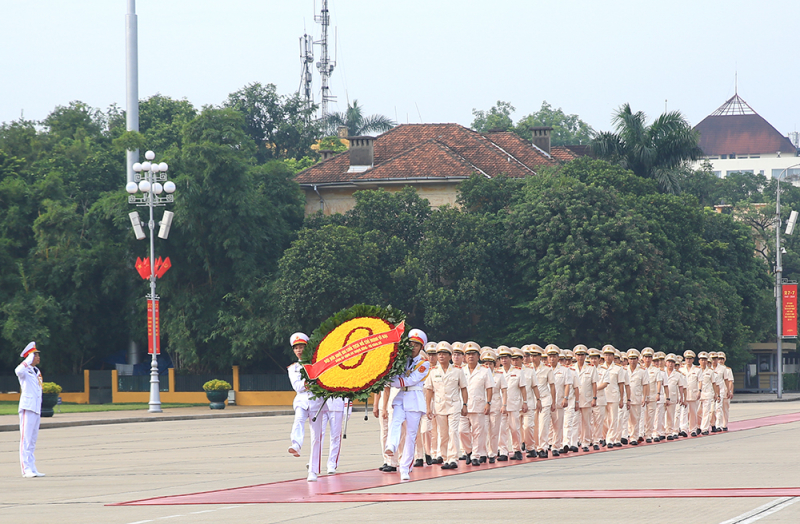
pixel 541 138
pixel 362 152
pixel 342 132
pixel 326 154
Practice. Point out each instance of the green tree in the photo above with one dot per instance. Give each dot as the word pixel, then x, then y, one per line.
pixel 356 122
pixel 567 129
pixel 656 151
pixel 498 118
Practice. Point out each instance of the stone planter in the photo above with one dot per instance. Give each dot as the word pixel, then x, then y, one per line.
pixel 49 400
pixel 217 399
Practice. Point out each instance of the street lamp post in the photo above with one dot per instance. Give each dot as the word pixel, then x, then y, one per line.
pixel 150 178
pixel 779 282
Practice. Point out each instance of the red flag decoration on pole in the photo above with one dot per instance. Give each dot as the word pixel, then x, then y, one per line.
pixel 162 266
pixel 143 267
pixel 789 310
pixel 150 318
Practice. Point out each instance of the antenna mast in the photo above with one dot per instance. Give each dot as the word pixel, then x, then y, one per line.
pixel 325 64
pixel 307 58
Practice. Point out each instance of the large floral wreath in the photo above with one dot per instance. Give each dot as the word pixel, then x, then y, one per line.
pixel 367 372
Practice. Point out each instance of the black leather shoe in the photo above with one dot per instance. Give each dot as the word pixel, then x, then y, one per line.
pixel 418 463
pixel 649 440
pixel 634 442
pixel 502 458
pixel 624 441
pixel 483 460
pixel 565 449
pixel 462 457
pixel 555 453
pixel 445 466
pixel 670 437
pixel 585 448
pixel 531 454
pixel 714 429
pixel 725 428
pixel 439 460
pixel 683 434
pixel 617 445
pixel 602 442
pixel 454 465
pixel 694 434
pixel 475 462
pixel 389 469
pixel 609 445
pixel 705 432
pixel 383 467
pixel 492 459
pixel 517 456
pixel 596 447
pixel 574 449
pixel 428 460
pixel 523 447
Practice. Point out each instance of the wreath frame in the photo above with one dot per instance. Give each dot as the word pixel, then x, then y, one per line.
pixel 389 314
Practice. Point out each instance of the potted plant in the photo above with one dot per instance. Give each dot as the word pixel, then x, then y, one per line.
pixel 216 392
pixel 50 393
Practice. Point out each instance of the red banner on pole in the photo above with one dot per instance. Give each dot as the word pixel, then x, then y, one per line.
pixel 789 310
pixel 150 329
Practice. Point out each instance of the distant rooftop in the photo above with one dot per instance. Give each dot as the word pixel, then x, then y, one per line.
pixel 734 106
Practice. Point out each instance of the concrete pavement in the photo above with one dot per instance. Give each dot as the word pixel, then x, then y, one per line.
pixel 91 466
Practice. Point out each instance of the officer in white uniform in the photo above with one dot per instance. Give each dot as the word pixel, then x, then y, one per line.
pixel 305 408
pixel 333 415
pixel 409 403
pixel 30 405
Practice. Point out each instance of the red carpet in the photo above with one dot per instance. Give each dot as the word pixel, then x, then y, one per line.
pixel 340 487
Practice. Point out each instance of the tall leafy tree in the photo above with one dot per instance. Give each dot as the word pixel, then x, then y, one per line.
pixel 497 118
pixel 567 129
pixel 654 151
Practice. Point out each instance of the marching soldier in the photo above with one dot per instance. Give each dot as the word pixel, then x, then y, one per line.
pixel 306 407
pixel 727 393
pixel 615 396
pixel 570 416
pixel 660 429
pixel 637 397
pixel 408 405
pixel 496 411
pixel 563 384
pixel 382 410
pixel 587 398
pixel 692 374
pixel 547 394
pixel 599 410
pixel 529 419
pixel 30 408
pixel 446 389
pixel 480 388
pixel 674 396
pixel 516 402
pixel 709 392
pixel 654 394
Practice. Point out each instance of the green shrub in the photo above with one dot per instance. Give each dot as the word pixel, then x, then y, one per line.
pixel 791 382
pixel 216 385
pixel 51 387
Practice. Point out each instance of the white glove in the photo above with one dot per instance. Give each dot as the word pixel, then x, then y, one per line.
pixel 29 359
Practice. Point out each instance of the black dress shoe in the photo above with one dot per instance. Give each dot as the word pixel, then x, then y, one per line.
pixel 454 465
pixel 585 448
pixel 725 428
pixel 475 462
pixel 649 441
pixel 523 447
pixel 439 460
pixel 492 459
pixel 670 437
pixel 609 445
pixel 634 442
pixel 382 467
pixel 705 432
pixel 462 457
pixel 565 449
pixel 483 459
pixel 602 442
pixel 502 458
pixel 389 469
pixel 517 456
pixel 714 429
pixel 555 453
pixel 624 441
pixel 428 460
pixel 683 434
pixel 694 434
pixel 531 454
pixel 446 465
pixel 596 447
pixel 574 449
pixel 617 445
pixel 418 463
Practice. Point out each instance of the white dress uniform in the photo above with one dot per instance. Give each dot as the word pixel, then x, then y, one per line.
pixel 30 405
pixel 408 406
pixel 333 414
pixel 305 407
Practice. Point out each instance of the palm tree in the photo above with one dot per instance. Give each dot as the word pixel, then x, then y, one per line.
pixel 657 151
pixel 357 124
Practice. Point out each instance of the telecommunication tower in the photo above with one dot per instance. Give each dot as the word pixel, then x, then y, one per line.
pixel 325 64
pixel 307 58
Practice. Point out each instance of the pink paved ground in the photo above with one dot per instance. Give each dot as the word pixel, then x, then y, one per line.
pixel 341 487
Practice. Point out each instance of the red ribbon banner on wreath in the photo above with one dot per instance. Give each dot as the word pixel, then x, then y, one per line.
pixel 354 349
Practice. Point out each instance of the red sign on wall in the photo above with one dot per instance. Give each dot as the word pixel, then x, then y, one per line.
pixel 150 329
pixel 789 310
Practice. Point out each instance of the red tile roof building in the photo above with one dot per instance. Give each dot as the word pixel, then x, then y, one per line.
pixel 434 158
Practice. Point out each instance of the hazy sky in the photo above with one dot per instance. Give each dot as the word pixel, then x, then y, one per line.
pixel 429 61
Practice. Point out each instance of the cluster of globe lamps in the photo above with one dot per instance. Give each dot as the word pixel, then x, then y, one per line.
pixel 145 185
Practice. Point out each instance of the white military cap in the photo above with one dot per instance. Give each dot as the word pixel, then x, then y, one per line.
pixel 298 338
pixel 30 348
pixel 444 347
pixel 417 335
pixel 472 347
pixel 552 349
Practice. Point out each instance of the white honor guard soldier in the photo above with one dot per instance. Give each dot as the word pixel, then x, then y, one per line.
pixel 305 408
pixel 409 403
pixel 30 406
